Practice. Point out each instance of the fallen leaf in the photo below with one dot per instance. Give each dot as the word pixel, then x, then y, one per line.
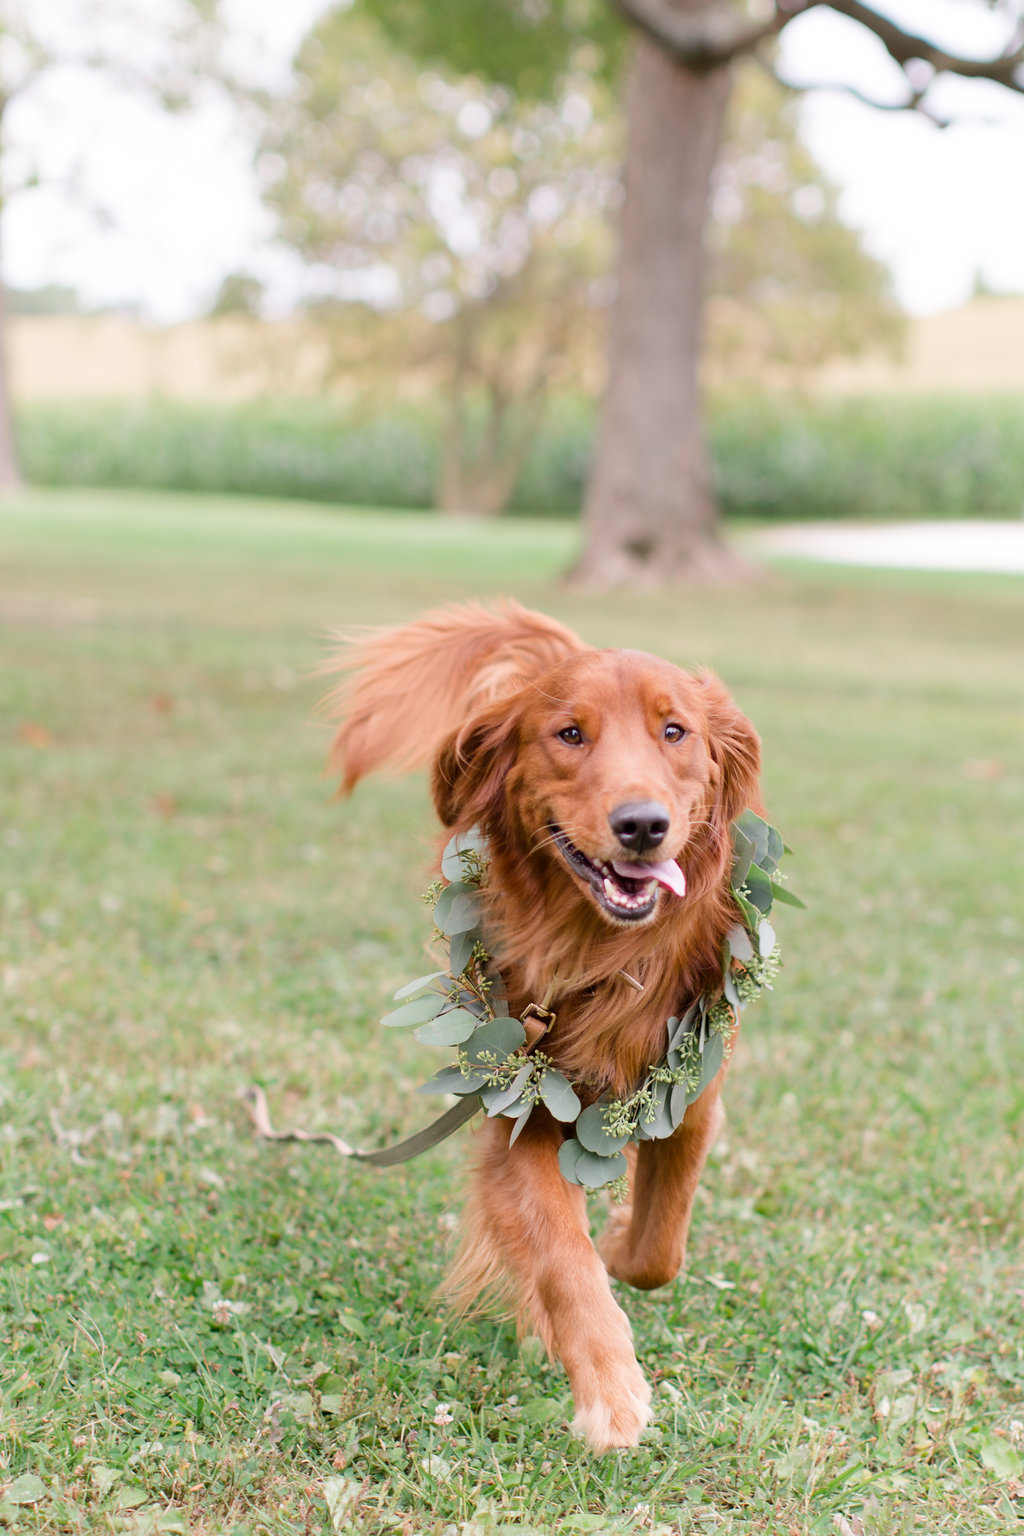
pixel 34 735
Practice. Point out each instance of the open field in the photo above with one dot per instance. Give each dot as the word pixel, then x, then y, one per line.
pixel 203 1334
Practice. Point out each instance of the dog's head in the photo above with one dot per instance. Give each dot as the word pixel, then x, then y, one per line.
pixel 617 768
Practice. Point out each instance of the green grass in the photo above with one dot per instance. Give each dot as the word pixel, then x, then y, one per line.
pixel 201 1333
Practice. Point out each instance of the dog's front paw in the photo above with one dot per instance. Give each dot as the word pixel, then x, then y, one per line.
pixel 615 1422
pixel 612 1394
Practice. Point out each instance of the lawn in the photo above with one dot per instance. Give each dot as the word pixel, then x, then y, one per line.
pixel 201 1333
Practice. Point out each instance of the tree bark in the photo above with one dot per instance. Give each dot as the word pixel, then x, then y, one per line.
pixel 650 517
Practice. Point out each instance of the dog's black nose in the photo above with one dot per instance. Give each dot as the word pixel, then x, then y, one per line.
pixel 639 824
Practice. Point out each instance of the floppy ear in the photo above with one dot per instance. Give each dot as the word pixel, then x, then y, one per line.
pixel 471 767
pixel 735 749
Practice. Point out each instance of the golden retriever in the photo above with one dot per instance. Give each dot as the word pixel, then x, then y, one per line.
pixel 605 782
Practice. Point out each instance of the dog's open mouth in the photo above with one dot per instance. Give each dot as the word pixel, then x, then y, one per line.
pixel 627 892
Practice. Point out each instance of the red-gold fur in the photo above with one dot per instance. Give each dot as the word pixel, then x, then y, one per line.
pixel 486 697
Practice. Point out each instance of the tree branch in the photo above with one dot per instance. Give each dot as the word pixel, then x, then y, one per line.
pixel 709 38
pixel 905 46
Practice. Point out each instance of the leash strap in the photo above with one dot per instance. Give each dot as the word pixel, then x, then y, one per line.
pixel 255 1101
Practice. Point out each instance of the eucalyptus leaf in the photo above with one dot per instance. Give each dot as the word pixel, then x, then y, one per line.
pixel 462 948
pixel 714 1055
pixel 472 841
pixel 647 1130
pixel 595 1172
pixel 451 1028
pixel 413 988
pixel 520 1122
pixel 765 938
pixel 497 1038
pixel 677 1102
pixel 743 850
pixel 730 992
pixel 781 893
pixel 451 1080
pixel 750 912
pixel 776 848
pixel 679 1028
pixel 755 827
pixel 458 908
pixel 662 1124
pixel 593 1134
pixel 568 1156
pixel 759 889
pixel 419 1011
pixel 496 1100
pixel 558 1095
pixel 739 942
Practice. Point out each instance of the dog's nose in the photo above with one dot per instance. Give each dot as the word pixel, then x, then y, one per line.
pixel 639 824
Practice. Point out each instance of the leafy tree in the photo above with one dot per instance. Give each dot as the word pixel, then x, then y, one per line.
pixel 649 515
pixel 481 220
pixel 790 285
pixel 165 55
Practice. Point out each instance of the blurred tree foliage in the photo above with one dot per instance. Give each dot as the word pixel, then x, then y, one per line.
pixel 168 55
pixel 474 221
pixel 790 284
pixel 479 218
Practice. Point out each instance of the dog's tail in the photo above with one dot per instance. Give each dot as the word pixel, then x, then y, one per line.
pixel 407 689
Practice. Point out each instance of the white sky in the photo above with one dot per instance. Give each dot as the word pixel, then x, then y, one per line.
pixel 179 210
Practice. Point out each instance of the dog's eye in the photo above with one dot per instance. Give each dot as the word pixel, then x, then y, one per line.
pixel 572 736
pixel 674 732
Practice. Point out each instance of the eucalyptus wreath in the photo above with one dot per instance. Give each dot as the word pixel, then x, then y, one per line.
pixel 463 1005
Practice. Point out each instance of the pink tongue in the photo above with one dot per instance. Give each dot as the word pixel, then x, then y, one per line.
pixel 667 873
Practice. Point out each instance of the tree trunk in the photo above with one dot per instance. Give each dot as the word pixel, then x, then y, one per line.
pixel 10 477
pixel 650 516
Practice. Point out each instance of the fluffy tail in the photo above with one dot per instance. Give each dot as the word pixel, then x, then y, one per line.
pixel 407 689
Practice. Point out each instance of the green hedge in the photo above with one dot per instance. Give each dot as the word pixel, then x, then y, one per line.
pixel 775 457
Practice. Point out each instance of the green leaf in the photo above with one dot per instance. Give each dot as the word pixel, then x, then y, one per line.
pixel 743 850
pixel 472 841
pixel 451 1028
pixel 568 1155
pixel 462 948
pixel 757 829
pixel 781 893
pixel 419 1011
pixel 759 888
pixel 750 913
pixel 497 1100
pixel 679 1028
pixel 593 1134
pixel 498 1038
pixel 26 1489
pixel 730 992
pixel 413 988
pixel 451 1080
pixel 559 1096
pixel 458 908
pixel 677 1102
pixel 776 848
pixel 739 942
pixel 998 1457
pixel 714 1055
pixel 352 1324
pixel 595 1172
pixel 542 1410
pixel 661 1126
pixel 520 1122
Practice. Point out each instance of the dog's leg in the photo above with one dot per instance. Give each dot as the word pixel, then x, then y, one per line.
pixel 525 1225
pixel 645 1243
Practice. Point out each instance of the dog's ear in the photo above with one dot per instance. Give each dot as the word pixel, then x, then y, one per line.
pixel 472 765
pixel 735 749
